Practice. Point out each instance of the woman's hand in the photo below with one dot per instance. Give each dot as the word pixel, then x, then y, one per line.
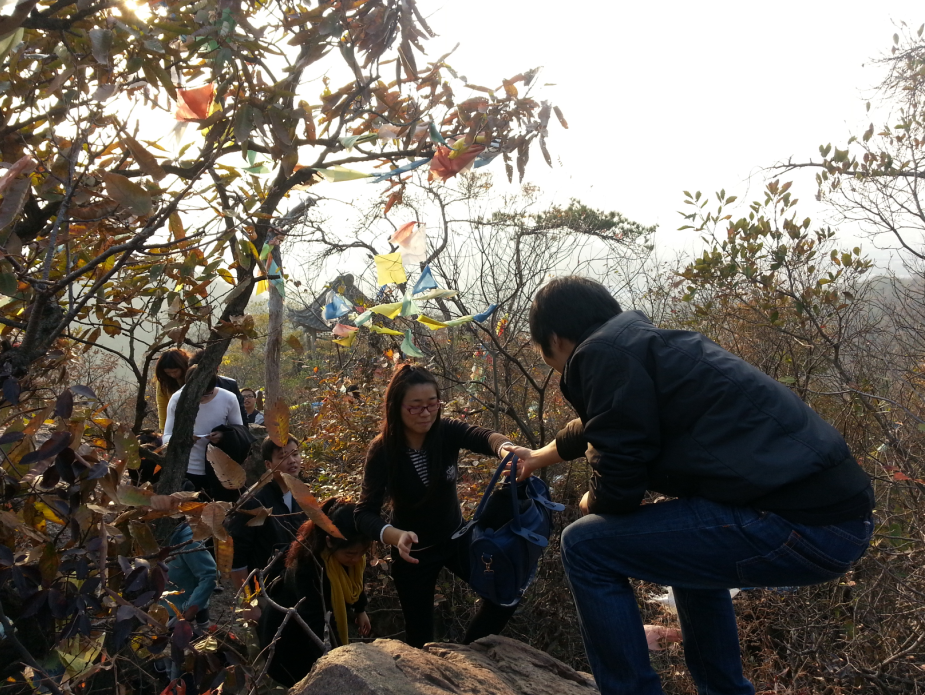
pixel 531 460
pixel 363 625
pixel 526 461
pixel 403 540
pixel 404 544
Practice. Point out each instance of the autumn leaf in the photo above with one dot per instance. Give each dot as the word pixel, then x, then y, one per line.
pixel 54 445
pixel 260 515
pixel 132 496
pixel 213 516
pixel 306 500
pixel 127 447
pixel 447 163
pixel 24 165
pixel 146 161
pixel 144 537
pixel 224 554
pixel 48 564
pixel 128 194
pixel 561 118
pixel 296 344
pixel 229 472
pixel 194 104
pixel 276 420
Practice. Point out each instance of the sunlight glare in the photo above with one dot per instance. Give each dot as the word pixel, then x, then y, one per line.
pixel 141 8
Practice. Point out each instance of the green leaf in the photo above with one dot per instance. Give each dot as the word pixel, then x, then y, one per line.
pixel 8 284
pixel 243 125
pixel 128 194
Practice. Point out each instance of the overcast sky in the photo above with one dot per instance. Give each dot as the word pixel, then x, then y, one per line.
pixel 666 96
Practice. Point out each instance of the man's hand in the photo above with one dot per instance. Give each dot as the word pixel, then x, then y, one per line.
pixel 531 460
pixel 363 625
pixel 583 505
pixel 526 461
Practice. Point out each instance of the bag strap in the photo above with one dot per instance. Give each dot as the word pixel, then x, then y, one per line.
pixel 516 525
pixel 510 458
pixel 484 501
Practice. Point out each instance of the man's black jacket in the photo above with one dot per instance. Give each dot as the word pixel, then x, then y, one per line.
pixel 255 545
pixel 229 384
pixel 673 412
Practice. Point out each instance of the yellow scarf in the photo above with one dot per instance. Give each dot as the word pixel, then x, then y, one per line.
pixel 346 587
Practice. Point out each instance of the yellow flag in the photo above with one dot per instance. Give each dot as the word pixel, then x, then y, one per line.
pixel 432 324
pixel 348 339
pixel 339 173
pixel 390 311
pixel 382 329
pixel 390 269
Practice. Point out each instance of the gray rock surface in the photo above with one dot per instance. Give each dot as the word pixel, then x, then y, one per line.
pixel 490 666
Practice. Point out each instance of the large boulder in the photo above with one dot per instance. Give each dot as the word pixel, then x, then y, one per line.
pixel 490 666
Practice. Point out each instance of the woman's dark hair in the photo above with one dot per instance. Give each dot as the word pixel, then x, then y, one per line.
pixel 211 384
pixel 269 447
pixel 391 435
pixel 312 539
pixel 171 359
pixel 569 307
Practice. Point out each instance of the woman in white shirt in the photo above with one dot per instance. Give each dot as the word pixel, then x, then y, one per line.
pixel 217 407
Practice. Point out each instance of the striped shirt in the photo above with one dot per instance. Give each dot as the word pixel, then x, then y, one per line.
pixel 419 461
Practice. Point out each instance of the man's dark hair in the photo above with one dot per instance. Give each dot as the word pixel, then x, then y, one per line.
pixel 269 447
pixel 243 391
pixel 568 307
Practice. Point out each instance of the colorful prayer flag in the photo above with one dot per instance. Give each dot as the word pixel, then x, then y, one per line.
pixel 389 269
pixel 409 348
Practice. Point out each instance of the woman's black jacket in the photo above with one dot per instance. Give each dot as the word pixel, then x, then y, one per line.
pixel 432 513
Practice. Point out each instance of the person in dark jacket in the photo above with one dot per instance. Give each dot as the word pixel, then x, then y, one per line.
pixel 256 546
pixel 768 492
pixel 223 382
pixel 325 574
pixel 413 461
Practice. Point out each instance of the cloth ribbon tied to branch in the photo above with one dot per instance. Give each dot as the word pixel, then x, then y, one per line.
pixel 389 269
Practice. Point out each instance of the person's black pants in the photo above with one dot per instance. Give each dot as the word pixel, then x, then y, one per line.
pixel 416 585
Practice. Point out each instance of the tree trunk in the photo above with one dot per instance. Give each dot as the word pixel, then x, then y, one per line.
pixel 274 339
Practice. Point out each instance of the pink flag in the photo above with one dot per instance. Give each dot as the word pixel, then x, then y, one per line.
pixel 342 330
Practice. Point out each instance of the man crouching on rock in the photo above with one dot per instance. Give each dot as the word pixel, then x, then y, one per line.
pixel 768 492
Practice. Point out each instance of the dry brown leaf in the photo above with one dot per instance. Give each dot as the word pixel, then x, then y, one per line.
pixel 276 420
pixel 229 472
pixel 309 504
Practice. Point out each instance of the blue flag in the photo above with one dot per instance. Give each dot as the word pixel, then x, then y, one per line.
pixel 485 314
pixel 425 282
pixel 338 307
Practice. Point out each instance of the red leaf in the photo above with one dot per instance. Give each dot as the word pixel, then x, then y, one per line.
pixel 194 104
pixel 447 163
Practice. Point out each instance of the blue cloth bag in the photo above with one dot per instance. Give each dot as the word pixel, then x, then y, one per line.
pixel 503 557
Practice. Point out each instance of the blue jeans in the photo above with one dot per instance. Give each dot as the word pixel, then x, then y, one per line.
pixel 701 549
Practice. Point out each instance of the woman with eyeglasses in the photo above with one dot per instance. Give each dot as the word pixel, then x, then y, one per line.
pixel 413 462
